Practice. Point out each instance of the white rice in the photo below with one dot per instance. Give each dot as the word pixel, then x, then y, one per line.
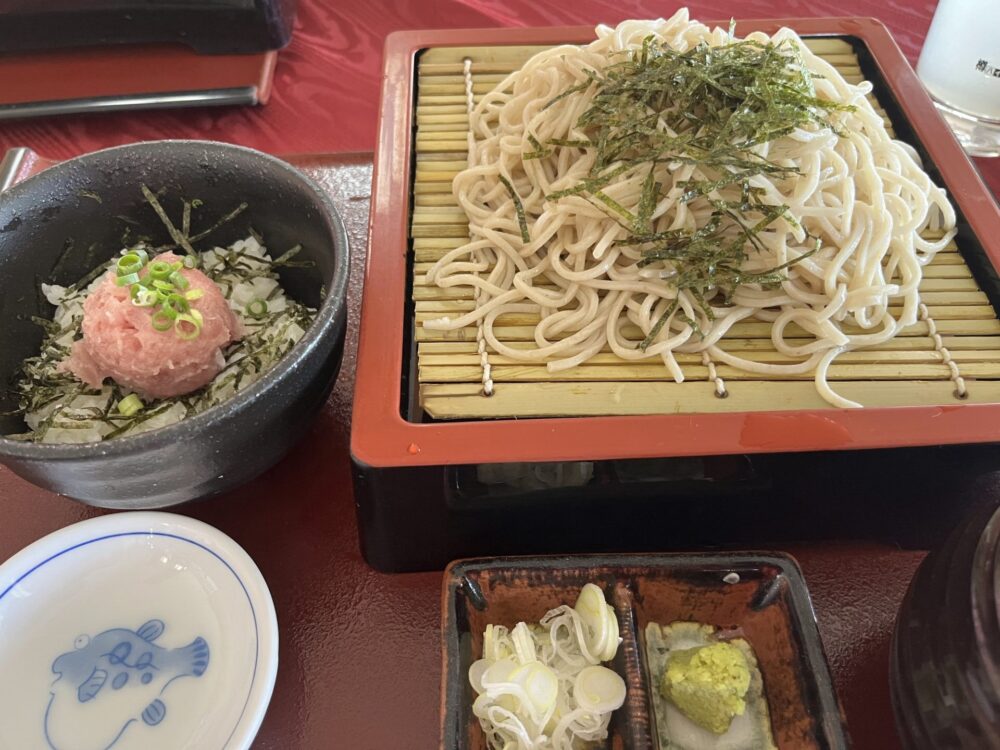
pixel 74 413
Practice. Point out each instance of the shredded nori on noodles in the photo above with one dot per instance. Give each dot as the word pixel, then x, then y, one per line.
pixel 711 107
pixel 522 222
pixel 539 152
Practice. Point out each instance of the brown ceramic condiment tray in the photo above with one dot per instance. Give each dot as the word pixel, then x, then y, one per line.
pixel 383 437
pixel 768 605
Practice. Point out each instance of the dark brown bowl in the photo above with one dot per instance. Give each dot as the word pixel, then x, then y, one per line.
pixel 946 645
pixel 230 443
pixel 769 607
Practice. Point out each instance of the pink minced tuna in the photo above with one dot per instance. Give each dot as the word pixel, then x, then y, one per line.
pixel 119 341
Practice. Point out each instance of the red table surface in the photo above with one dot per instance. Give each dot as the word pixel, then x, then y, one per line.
pixel 327 81
pixel 360 651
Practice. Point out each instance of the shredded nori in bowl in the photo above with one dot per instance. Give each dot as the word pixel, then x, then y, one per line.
pixel 41 385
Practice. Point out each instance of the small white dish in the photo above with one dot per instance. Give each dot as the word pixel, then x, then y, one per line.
pixel 133 631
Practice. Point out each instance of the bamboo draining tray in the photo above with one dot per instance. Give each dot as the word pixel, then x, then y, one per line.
pixel 909 370
pixel 389 431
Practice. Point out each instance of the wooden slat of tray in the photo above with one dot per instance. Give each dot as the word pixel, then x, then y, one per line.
pixel 465 401
pixel 905 371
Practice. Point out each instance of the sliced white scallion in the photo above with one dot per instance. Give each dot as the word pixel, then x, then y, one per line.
pixel 524 644
pixel 612 647
pixel 539 682
pixel 540 687
pixel 600 622
pixel 476 672
pixel 496 643
pixel 599 689
pixel 498 672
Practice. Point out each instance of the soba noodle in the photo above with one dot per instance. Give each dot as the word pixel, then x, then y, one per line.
pixel 861 193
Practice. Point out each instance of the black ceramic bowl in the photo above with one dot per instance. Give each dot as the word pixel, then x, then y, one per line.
pixel 65 221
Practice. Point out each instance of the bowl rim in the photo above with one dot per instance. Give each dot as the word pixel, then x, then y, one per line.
pixel 331 311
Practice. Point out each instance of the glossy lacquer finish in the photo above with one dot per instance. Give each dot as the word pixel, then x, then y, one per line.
pixel 360 651
pixel 382 437
pixel 101 75
pixel 216 27
pixel 327 82
pixel 60 224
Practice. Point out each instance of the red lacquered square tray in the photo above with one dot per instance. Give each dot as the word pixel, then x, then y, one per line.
pixel 383 437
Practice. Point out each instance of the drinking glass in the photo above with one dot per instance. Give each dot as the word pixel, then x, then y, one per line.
pixel 960 66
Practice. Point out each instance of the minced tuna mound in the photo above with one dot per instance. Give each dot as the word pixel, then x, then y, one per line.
pixel 119 341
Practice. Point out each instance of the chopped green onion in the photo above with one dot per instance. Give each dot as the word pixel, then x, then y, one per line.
pixel 175 305
pixel 128 279
pixel 179 281
pixel 143 255
pixel 142 297
pixel 190 261
pixel 257 308
pixel 162 321
pixel 187 326
pixel 177 265
pixel 130 405
pixel 129 264
pixel 163 286
pixel 160 269
pixel 192 294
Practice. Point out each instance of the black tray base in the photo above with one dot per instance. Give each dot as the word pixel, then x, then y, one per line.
pixel 420 518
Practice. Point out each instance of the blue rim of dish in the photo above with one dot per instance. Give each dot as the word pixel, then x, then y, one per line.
pixel 105 537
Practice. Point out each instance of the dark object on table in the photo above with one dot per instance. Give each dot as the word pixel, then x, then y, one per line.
pixel 209 27
pixel 767 604
pixel 68 56
pixel 59 82
pixel 946 648
pixel 420 517
pixel 227 444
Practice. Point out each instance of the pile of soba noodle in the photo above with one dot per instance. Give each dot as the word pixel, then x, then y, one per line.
pixel 857 195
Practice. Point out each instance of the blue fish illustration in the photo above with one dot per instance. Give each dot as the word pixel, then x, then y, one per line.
pixel 112 680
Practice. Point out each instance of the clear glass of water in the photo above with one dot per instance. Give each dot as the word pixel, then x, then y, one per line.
pixel 960 66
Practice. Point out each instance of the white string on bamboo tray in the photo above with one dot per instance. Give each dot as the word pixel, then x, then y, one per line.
pixel 484 360
pixel 940 348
